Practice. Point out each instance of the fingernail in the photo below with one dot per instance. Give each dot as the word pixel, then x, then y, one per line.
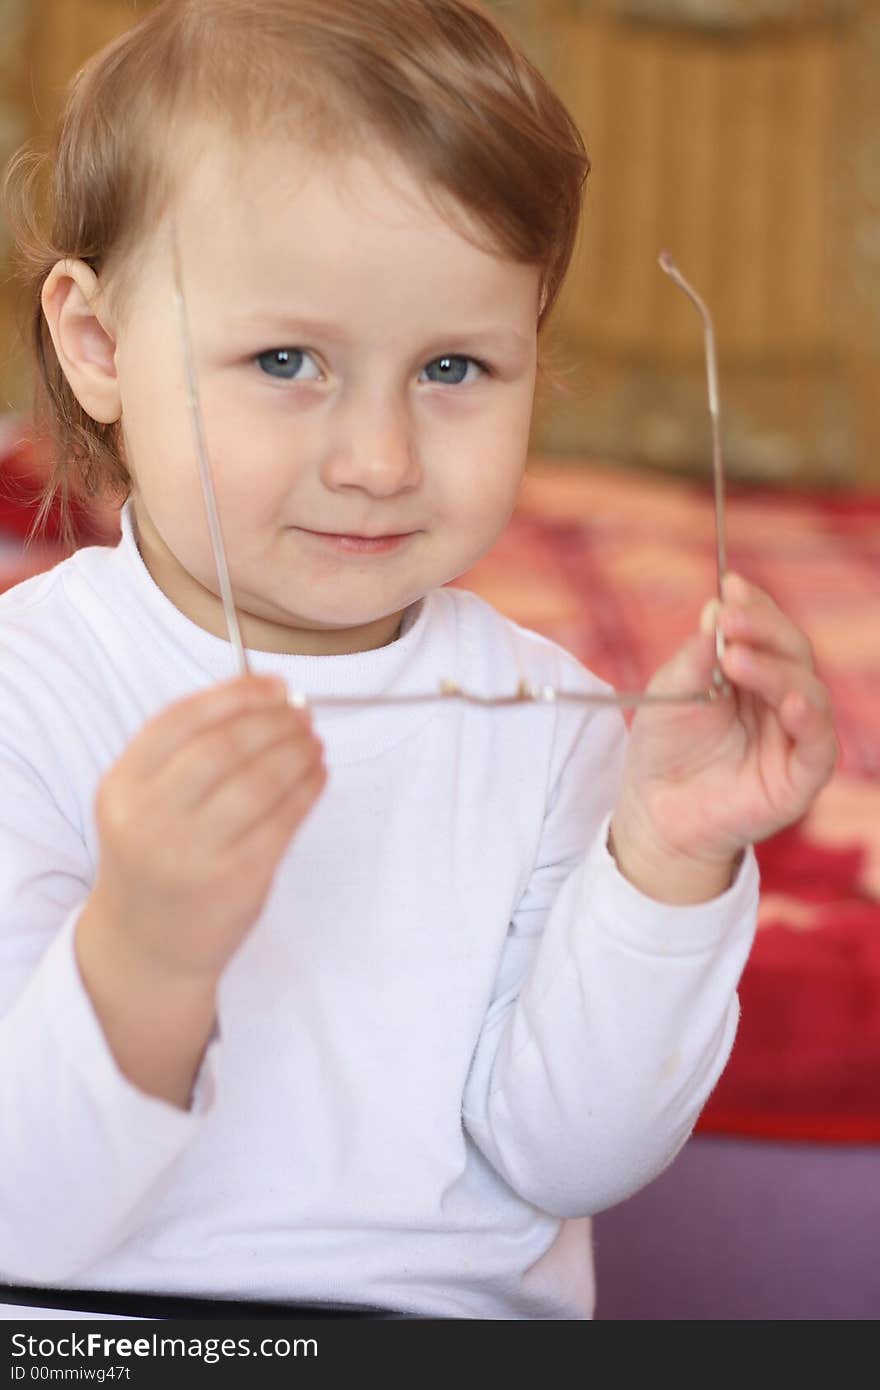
pixel 734 587
pixel 709 616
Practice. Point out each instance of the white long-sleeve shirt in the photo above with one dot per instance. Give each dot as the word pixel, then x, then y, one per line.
pixel 454 1033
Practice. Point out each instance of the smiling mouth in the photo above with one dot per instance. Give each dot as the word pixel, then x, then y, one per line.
pixel 357 535
pixel 354 536
pixel 364 545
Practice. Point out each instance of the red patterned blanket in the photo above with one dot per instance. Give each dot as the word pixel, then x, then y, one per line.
pixel 616 567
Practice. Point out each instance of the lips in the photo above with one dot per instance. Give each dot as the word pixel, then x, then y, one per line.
pixel 354 536
pixel 363 545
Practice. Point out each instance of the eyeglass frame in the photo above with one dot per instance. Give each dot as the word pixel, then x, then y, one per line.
pixel 450 689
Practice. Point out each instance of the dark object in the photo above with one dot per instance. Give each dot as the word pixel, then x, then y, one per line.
pixel 149 1305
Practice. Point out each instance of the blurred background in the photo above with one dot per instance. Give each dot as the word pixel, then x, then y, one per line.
pixel 744 135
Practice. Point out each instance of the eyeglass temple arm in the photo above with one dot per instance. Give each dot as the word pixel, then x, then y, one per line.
pixel 671 269
pixel 207 479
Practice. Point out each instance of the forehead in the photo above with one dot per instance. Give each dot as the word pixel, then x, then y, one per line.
pixel 273 220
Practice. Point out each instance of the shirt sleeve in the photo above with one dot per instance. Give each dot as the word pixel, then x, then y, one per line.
pixel 83 1149
pixel 613 1014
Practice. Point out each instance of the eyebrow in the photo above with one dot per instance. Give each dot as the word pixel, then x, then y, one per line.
pixel 491 334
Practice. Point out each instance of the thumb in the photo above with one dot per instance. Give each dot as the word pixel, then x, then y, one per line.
pixel 689 671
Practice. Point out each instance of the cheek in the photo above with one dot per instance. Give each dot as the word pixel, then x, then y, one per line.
pixel 489 464
pixel 480 493
pixel 161 465
pixel 253 457
pixel 251 482
pixel 156 429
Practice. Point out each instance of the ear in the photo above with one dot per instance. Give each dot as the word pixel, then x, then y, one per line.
pixel 85 347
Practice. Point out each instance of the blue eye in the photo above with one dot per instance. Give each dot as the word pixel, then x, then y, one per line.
pixel 282 363
pixel 450 373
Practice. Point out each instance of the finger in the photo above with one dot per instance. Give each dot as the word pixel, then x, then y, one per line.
pixel 168 731
pixel 771 678
pixel 749 614
pixel 283 773
pixel 740 590
pixel 688 672
pixel 218 754
pixel 268 837
pixel 815 748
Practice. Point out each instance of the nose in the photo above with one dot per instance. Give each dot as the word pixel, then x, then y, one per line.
pixel 371 445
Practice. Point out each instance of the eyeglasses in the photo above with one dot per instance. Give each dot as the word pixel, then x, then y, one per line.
pixel 448 688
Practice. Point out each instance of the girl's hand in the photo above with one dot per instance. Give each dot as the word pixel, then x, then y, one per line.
pixel 193 820
pixel 702 782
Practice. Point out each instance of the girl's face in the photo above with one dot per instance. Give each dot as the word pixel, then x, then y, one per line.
pixel 363 369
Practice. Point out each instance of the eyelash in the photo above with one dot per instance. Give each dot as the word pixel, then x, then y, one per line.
pixel 484 367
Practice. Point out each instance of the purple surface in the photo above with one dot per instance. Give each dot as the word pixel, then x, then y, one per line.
pixel 746 1229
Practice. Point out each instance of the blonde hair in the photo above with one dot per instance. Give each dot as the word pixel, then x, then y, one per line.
pixel 435 82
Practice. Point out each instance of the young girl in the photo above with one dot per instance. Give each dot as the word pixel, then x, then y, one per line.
pixel 375 1004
